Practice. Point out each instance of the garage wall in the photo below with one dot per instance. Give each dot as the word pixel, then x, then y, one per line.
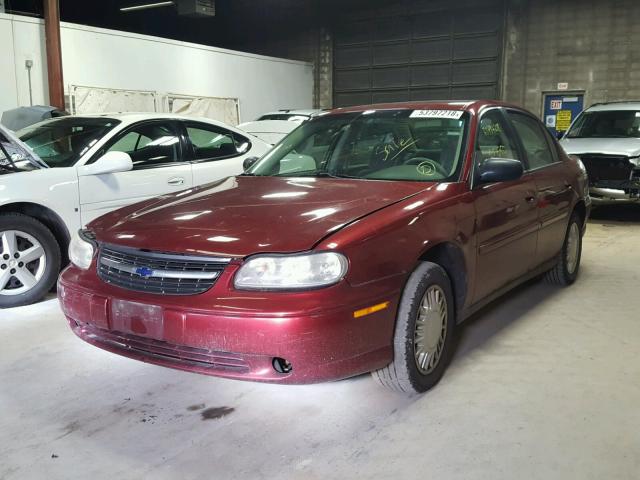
pixel 419 50
pixel 106 58
pixel 593 45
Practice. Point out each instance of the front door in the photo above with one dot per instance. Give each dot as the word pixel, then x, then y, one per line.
pixel 554 192
pixel 506 216
pixel 158 168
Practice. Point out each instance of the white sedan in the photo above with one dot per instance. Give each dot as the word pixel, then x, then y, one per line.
pixel 86 166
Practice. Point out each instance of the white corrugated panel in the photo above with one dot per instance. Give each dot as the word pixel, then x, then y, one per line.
pixel 221 109
pixel 90 100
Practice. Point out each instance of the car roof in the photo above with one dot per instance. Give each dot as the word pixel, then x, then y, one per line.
pixel 603 107
pixel 464 105
pixel 131 117
pixel 127 118
pixel 307 112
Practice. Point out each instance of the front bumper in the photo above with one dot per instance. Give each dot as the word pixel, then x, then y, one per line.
pixel 612 179
pixel 210 334
pixel 609 196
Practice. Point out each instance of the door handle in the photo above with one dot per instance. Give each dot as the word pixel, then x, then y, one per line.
pixel 176 181
pixel 530 198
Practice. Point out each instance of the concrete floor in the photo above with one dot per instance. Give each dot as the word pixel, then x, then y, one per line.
pixel 545 385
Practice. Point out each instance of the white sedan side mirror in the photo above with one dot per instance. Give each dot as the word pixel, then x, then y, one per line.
pixel 110 162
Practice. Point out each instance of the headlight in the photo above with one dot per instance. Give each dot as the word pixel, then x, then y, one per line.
pixel 81 250
pixel 291 272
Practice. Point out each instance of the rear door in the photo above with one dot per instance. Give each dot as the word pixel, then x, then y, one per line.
pixel 506 216
pixel 553 189
pixel 217 152
pixel 159 167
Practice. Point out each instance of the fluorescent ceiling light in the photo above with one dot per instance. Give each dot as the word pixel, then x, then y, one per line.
pixel 146 6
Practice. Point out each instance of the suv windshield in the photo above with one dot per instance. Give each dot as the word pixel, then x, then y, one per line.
pixel 414 145
pixel 62 141
pixel 607 124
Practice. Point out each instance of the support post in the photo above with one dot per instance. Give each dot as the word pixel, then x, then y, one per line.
pixel 54 53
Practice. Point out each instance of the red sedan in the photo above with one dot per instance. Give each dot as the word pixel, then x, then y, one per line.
pixel 358 244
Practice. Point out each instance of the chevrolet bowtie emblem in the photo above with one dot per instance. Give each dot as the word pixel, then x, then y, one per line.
pixel 144 272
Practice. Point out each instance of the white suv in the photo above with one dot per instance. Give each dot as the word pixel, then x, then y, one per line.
pixel 78 168
pixel 606 137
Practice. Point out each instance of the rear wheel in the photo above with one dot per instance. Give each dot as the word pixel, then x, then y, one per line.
pixel 566 270
pixel 423 339
pixel 29 260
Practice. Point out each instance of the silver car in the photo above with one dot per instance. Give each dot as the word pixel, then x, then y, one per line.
pixel 606 137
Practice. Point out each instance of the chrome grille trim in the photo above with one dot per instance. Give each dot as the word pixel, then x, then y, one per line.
pixel 158 273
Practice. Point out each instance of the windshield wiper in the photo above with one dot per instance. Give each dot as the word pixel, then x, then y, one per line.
pixel 312 174
pixel 332 175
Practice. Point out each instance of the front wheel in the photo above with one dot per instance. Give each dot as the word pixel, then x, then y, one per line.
pixel 29 260
pixel 565 272
pixel 423 339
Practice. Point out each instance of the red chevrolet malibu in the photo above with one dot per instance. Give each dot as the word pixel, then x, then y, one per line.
pixel 357 244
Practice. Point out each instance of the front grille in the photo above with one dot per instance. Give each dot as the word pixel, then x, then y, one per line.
pixel 607 168
pixel 159 273
pixel 176 354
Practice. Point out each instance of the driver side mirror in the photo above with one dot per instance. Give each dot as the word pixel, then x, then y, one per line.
pixel 110 162
pixel 249 162
pixel 493 170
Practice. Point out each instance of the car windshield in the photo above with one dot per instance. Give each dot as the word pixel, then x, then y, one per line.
pixel 412 145
pixel 292 117
pixel 607 124
pixel 15 156
pixel 62 141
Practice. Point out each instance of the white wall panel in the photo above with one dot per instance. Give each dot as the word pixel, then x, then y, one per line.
pixel 111 59
pixel 8 89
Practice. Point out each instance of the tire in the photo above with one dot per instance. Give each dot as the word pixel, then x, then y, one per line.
pixel 23 234
pixel 566 271
pixel 404 374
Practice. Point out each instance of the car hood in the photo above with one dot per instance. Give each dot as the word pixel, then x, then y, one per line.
pixel 243 215
pixel 608 146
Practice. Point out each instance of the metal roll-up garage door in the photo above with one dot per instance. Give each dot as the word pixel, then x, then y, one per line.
pixel 425 50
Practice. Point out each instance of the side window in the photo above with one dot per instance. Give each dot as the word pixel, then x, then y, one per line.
pixel 533 139
pixel 493 139
pixel 149 145
pixel 211 142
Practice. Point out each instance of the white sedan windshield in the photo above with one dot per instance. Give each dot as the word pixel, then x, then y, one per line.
pixel 62 141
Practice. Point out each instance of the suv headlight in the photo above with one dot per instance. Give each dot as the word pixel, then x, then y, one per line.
pixel 81 249
pixel 291 272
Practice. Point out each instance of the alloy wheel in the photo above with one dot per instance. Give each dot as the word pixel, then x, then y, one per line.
pixel 22 262
pixel 431 329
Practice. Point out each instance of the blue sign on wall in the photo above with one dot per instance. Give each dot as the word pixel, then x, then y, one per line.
pixel 561 110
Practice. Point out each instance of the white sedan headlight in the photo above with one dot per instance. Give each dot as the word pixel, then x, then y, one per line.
pixel 291 272
pixel 81 250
